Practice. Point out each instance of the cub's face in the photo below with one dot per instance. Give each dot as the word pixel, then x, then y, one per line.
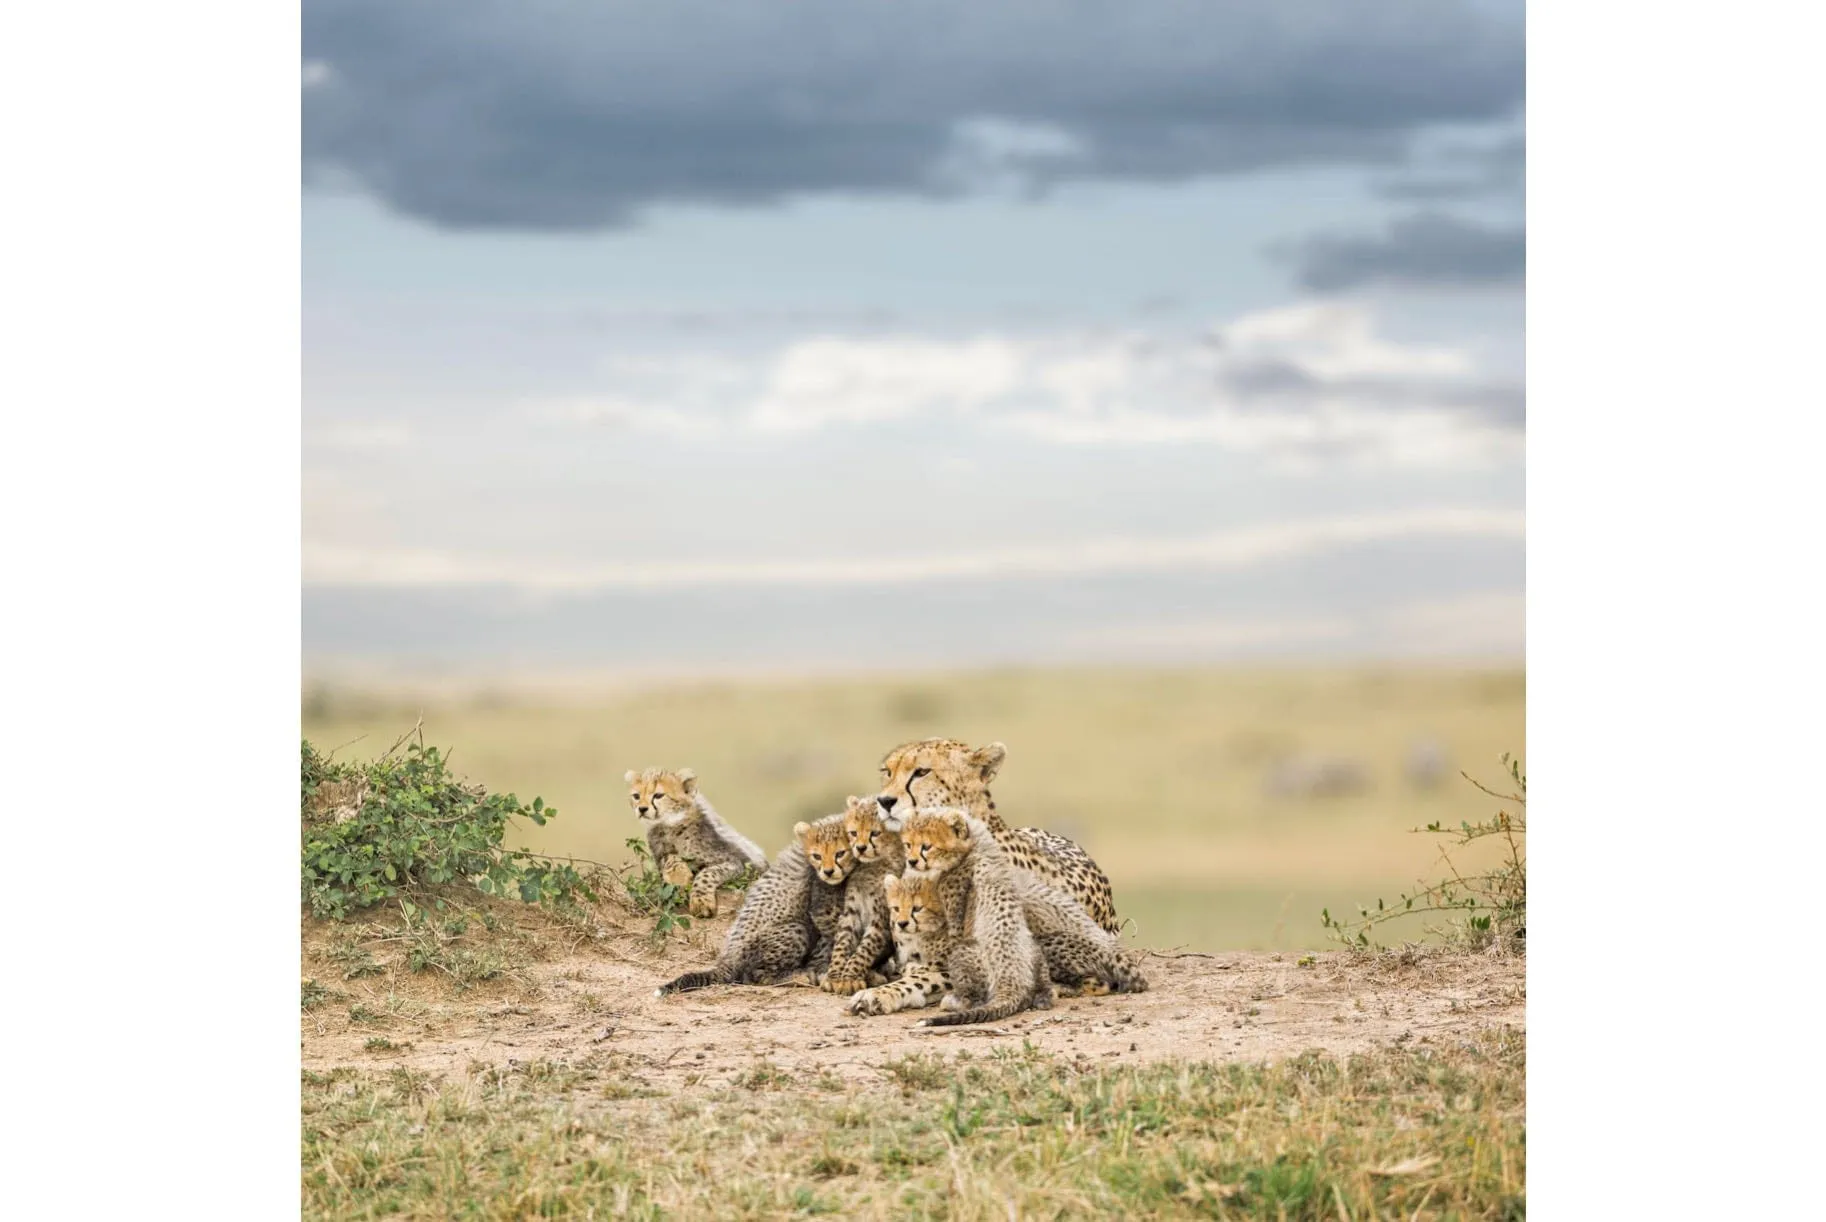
pixel 660 795
pixel 934 841
pixel 868 832
pixel 827 847
pixel 935 772
pixel 913 904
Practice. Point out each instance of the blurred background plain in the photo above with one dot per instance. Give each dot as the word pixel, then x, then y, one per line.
pixel 753 388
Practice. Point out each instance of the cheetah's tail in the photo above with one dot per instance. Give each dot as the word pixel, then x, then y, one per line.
pixel 693 980
pixel 981 1014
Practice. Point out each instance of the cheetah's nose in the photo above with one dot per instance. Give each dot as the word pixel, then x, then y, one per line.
pixel 641 810
pixel 887 803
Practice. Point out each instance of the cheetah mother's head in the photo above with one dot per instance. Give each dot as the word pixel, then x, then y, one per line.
pixel 936 772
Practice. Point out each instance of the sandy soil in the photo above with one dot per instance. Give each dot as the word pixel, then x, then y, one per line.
pixel 594 998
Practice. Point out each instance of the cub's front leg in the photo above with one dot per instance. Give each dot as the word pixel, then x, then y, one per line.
pixel 863 937
pixel 704 886
pixel 867 953
pixel 921 986
pixel 845 976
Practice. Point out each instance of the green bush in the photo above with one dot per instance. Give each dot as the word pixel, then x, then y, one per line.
pixel 403 825
pixel 649 894
pixel 1485 907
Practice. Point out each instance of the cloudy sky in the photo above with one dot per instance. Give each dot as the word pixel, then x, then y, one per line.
pixel 717 335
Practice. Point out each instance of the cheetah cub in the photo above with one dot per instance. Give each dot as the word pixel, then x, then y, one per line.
pixel 861 941
pixel 996 965
pixel 785 925
pixel 922 945
pixel 690 843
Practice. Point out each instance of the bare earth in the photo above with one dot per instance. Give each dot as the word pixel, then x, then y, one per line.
pixel 595 997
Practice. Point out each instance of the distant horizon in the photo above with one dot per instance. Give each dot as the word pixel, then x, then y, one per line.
pixel 379 680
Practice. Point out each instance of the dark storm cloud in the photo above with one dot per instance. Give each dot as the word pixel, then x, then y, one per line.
pixel 541 114
pixel 1426 249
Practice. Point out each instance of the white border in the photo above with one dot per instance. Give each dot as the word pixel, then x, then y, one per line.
pixel 151 502
pixel 1673 492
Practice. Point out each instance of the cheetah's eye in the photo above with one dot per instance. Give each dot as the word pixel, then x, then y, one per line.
pixel 919 772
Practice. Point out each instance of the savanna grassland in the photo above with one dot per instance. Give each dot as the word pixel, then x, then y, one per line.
pixel 1005 1134
pixel 474 1056
pixel 1164 776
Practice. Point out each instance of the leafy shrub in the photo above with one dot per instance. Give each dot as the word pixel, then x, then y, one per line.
pixel 651 895
pixel 1485 907
pixel 404 825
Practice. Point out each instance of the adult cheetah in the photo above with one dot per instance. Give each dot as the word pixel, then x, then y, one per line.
pixel 935 772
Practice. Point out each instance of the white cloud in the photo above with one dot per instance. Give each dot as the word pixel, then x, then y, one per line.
pixel 1335 340
pixel 835 380
pixel 364 565
pixel 1305 441
pixel 1301 386
pixel 316 72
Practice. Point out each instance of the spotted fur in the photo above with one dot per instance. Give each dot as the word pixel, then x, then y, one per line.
pixel 995 964
pixel 860 939
pixel 828 856
pixel 1081 956
pixel 784 926
pixel 943 772
pixel 691 844
pixel 922 944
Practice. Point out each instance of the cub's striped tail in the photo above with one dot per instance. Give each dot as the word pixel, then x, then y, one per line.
pixel 694 980
pixel 981 1014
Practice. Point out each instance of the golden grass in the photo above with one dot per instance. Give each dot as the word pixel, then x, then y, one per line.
pixel 1159 774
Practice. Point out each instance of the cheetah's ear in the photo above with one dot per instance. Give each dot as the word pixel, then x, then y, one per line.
pixel 988 760
pixel 851 803
pixel 688 779
pixel 799 829
pixel 631 776
pixel 955 821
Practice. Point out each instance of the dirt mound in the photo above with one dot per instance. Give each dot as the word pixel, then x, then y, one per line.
pixel 532 989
